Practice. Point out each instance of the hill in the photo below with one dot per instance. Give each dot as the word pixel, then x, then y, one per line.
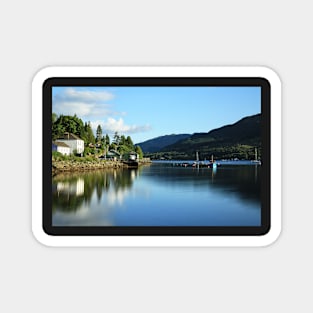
pixel 158 143
pixel 237 140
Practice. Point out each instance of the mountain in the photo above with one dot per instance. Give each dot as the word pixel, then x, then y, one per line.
pixel 158 143
pixel 236 140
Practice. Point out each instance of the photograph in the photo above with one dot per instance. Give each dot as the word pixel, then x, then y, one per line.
pixel 156 156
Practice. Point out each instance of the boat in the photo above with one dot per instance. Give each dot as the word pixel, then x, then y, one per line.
pixel 256 161
pixel 199 164
pixel 213 164
pixel 131 164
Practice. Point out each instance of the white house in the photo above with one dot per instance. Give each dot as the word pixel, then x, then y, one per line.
pixel 61 147
pixel 131 156
pixel 74 142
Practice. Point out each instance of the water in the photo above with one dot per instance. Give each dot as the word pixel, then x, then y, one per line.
pixel 159 195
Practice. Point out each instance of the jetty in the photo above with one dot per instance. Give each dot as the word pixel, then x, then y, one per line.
pixel 198 164
pixel 131 164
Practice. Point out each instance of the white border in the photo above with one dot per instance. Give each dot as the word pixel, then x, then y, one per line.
pixel 156 241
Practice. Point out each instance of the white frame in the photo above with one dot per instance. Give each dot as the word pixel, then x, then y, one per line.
pixel 156 241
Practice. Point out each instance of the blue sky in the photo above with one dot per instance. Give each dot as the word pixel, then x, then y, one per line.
pixel 148 112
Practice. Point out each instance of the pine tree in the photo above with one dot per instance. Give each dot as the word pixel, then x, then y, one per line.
pixel 116 138
pixel 90 138
pixel 107 139
pixel 129 142
pixel 99 134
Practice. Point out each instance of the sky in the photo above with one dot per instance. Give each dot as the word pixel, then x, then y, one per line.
pixel 148 112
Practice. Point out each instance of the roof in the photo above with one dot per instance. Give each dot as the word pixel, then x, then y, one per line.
pixel 69 136
pixel 113 152
pixel 131 152
pixel 60 144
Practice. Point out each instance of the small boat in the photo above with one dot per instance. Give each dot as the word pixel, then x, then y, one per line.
pixel 182 164
pixel 213 163
pixel 256 161
pixel 131 164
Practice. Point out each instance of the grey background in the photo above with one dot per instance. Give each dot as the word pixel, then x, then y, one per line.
pixel 35 34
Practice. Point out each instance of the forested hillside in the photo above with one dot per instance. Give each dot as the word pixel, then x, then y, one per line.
pixel 238 140
pixel 157 144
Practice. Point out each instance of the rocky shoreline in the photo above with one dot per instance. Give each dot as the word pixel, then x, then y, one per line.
pixel 74 165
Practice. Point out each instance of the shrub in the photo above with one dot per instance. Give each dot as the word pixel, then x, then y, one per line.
pixel 58 156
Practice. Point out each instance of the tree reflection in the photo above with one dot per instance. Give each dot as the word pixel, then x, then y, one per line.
pixel 70 191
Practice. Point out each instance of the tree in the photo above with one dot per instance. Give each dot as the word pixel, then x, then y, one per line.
pixel 102 142
pixel 66 123
pixel 107 139
pixel 122 140
pixel 105 143
pixel 89 136
pixel 129 142
pixel 54 117
pixel 116 138
pixel 58 130
pixel 139 151
pixel 99 134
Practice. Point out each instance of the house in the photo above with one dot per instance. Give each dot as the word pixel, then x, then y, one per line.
pixel 131 156
pixel 74 142
pixel 61 147
pixel 113 155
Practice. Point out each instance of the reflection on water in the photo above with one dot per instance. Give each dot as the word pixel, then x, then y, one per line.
pixel 158 195
pixel 76 188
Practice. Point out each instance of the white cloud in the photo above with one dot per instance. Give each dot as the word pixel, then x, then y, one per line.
pixel 87 96
pixel 91 105
pixel 112 125
pixel 83 103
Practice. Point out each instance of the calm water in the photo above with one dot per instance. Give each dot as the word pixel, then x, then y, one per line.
pixel 159 195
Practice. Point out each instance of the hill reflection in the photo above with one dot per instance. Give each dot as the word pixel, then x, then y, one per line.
pixel 243 180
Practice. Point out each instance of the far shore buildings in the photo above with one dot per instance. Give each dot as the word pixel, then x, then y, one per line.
pixel 114 155
pixel 69 144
